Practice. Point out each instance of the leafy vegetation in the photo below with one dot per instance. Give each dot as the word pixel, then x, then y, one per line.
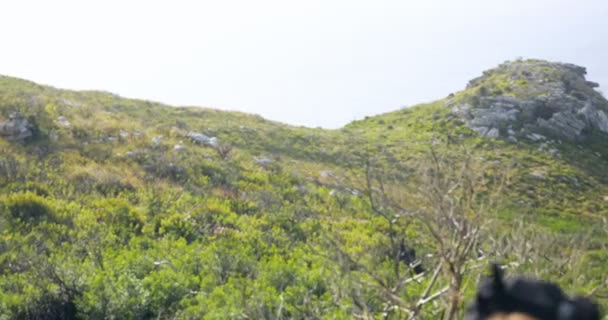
pixel 113 210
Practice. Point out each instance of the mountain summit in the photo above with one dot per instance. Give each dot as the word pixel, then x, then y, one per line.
pixel 524 97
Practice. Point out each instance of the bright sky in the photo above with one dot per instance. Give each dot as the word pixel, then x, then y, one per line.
pixel 308 62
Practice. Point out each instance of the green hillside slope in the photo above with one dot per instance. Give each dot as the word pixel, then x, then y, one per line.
pixel 129 209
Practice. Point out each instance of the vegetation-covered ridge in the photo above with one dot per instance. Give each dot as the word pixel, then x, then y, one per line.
pixel 129 209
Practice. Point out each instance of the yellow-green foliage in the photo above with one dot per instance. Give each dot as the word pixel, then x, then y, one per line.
pixel 100 219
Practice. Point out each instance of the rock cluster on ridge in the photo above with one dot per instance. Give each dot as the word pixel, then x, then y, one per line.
pixel 17 127
pixel 532 97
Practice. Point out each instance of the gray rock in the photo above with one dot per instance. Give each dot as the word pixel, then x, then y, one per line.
pixel 178 147
pixel 462 110
pixel 538 175
pixel 494 116
pixel 131 154
pixel 595 118
pixel 157 140
pixel 326 173
pixel 493 133
pixel 203 139
pixel 197 137
pixel 555 98
pixel 70 103
pixel 263 162
pixel 602 121
pixel 536 137
pixel 481 131
pixel 300 188
pixel 565 124
pixel 213 142
pixel 16 128
pixel 62 121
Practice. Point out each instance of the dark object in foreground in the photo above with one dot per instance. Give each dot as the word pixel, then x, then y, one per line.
pixel 526 299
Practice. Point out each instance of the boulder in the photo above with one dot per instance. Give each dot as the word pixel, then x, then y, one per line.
pixel 17 128
pixel 203 139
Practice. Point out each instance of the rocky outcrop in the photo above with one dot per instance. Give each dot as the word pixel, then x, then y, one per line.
pixel 17 128
pixel 533 97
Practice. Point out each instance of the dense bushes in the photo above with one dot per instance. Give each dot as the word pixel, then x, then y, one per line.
pixel 105 221
pixel 27 208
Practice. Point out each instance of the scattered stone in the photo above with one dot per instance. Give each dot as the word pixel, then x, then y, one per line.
pixel 178 147
pixel 62 121
pixel 536 137
pixel 538 175
pixel 123 134
pixel 300 188
pixel 157 140
pixel 263 162
pixel 131 154
pixel 70 103
pixel 326 173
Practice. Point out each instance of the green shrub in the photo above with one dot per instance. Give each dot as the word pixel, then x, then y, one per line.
pixel 27 207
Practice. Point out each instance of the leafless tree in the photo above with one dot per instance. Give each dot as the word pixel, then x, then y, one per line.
pixel 449 196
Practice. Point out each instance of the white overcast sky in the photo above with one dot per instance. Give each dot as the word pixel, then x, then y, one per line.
pixel 309 62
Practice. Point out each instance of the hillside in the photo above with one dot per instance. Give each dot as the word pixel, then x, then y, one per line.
pixel 128 209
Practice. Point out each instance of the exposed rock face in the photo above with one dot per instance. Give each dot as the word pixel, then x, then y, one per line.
pixel 16 128
pixel 523 97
